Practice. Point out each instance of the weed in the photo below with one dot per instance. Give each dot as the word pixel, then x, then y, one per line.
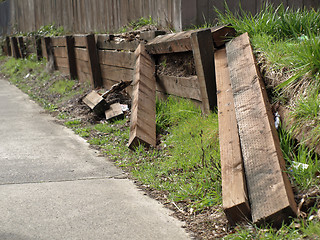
pixel 141 22
pixel 302 164
pixel 62 86
pixel 73 123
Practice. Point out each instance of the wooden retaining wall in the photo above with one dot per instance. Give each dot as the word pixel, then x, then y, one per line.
pixel 83 16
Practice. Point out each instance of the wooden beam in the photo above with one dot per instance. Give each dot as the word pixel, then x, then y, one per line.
pixel 186 87
pixel 49 53
pixel 270 193
pixel 202 45
pixel 94 60
pixel 71 57
pixel 234 190
pixel 96 102
pixel 8 46
pixel 38 47
pixel 180 42
pixel 143 111
pixel 15 47
pixel 114 112
pixel 22 47
pixel 105 42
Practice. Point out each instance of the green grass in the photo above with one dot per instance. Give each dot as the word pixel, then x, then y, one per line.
pixel 62 86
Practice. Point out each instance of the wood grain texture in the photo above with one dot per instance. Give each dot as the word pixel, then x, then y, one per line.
pixel 117 59
pixel 143 111
pixel 202 45
pixel 15 52
pixel 262 156
pixel 186 87
pixel 234 190
pixel 104 43
pixel 180 42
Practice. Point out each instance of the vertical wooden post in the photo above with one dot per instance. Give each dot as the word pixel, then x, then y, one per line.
pixel 202 46
pixel 49 51
pixel 38 47
pixel 8 46
pixel 22 47
pixel 71 57
pixel 94 60
pixel 14 47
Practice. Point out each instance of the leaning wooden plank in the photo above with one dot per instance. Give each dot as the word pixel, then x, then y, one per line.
pixel 270 193
pixel 234 191
pixel 96 102
pixel 202 45
pixel 143 111
pixel 180 42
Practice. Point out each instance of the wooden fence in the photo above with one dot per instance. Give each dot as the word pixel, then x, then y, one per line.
pixel 83 16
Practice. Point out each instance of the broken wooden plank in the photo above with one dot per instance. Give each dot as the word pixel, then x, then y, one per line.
pixel 202 46
pixel 117 88
pixel 15 48
pixel 96 102
pixel 270 193
pixel 180 42
pixel 234 191
pixel 143 111
pixel 186 87
pixel 115 112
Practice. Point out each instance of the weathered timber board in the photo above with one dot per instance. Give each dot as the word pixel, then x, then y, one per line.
pixel 58 42
pixel 270 193
pixel 80 41
pixel 61 62
pixel 43 48
pixel 82 54
pixel 202 47
pixel 83 66
pixel 104 42
pixel 15 48
pixel 60 52
pixel 118 59
pixel 234 191
pixel 94 61
pixel 143 111
pixel 8 46
pixel 180 42
pixel 187 87
pixel 96 102
pixel 22 47
pixel 116 73
pixel 115 111
pixel 72 65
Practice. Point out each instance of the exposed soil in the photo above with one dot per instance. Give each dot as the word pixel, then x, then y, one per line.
pixel 176 64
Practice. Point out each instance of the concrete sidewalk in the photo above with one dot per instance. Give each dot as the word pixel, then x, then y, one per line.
pixel 53 186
